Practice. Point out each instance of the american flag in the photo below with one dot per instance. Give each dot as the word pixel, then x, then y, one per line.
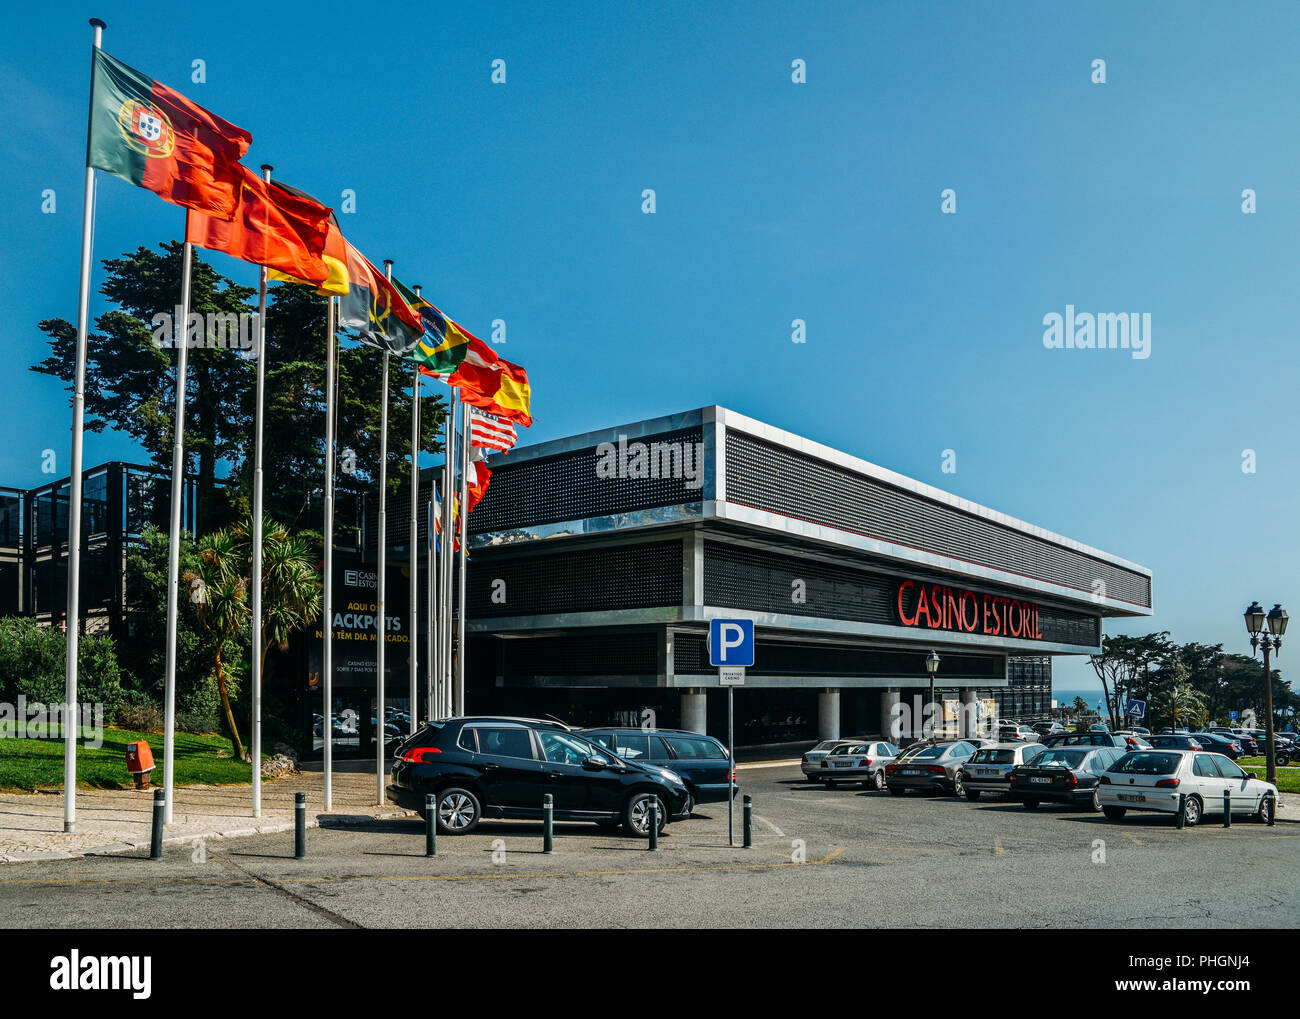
pixel 488 432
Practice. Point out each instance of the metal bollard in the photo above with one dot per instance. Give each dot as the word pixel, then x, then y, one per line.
pixel 548 824
pixel 430 825
pixel 1272 815
pixel 159 813
pixel 653 815
pixel 1227 809
pixel 749 822
pixel 1180 819
pixel 299 826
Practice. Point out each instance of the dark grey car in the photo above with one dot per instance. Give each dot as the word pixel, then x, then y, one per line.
pixel 932 766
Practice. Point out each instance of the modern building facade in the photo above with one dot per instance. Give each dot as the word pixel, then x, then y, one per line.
pixel 598 560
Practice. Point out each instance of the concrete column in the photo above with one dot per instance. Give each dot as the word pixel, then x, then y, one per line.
pixel 695 711
pixel 888 702
pixel 828 714
pixel 969 724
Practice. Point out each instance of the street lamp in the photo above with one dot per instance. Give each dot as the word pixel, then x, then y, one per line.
pixel 1276 620
pixel 932 666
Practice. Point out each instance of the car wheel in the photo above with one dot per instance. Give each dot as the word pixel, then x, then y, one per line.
pixel 1114 813
pixel 1094 804
pixel 878 780
pixel 1192 812
pixel 972 794
pixel 636 814
pixel 458 811
pixel 1031 804
pixel 1267 807
pixel 1282 760
pixel 958 787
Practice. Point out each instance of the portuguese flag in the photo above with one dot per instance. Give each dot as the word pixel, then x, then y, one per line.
pixel 152 136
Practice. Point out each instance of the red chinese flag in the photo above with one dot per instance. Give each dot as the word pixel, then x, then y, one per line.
pixel 276 226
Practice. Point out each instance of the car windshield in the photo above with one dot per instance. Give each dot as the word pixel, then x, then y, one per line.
pixel 930 753
pixel 1060 758
pixel 993 757
pixel 1147 763
pixel 912 752
pixel 827 744
pixel 848 748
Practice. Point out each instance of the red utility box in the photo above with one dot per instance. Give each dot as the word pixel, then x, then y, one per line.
pixel 139 762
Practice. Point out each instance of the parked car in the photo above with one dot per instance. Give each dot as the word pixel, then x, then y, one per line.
pixel 1086 739
pixel 989 768
pixel 1142 731
pixel 859 762
pixel 1017 734
pixel 811 763
pixel 930 766
pixel 480 767
pixel 1155 779
pixel 1180 742
pixel 700 760
pixel 1063 775
pixel 1099 727
pixel 1132 740
pixel 1218 744
pixel 1048 728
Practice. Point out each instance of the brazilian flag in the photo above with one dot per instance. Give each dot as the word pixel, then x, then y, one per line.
pixel 443 346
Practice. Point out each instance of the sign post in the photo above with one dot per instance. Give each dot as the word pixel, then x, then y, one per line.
pixel 731 649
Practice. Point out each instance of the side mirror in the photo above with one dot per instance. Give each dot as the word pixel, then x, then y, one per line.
pixel 594 764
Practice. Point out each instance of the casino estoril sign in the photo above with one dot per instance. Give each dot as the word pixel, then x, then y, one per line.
pixel 939 607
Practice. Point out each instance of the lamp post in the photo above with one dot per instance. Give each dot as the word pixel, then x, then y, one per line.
pixel 932 666
pixel 1268 640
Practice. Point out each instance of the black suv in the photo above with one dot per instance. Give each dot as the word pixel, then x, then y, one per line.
pixel 1092 738
pixel 700 760
pixel 503 767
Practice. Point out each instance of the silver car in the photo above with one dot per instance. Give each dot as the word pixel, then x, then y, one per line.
pixel 858 762
pixel 811 764
pixel 989 768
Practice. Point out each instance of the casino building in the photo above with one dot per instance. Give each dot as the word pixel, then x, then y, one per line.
pixel 597 561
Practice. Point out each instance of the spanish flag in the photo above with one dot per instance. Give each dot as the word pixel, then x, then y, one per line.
pixel 492 383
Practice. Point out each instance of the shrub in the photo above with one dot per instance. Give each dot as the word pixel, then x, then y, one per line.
pixel 138 713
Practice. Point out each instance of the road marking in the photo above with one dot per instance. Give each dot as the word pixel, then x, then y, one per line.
pixel 1134 839
pixel 767 764
pixel 774 828
pixel 997 846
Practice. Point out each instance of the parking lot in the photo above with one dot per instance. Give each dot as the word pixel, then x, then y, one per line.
pixel 868 859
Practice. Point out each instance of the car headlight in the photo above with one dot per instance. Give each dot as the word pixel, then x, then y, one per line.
pixel 672 776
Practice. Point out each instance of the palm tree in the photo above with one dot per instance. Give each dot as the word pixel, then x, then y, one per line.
pixel 218 597
pixel 291 589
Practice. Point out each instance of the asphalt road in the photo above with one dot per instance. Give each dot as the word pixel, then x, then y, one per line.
pixel 871 859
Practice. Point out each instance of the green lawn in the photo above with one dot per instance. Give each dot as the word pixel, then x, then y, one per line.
pixel 1288 780
pixel 31 764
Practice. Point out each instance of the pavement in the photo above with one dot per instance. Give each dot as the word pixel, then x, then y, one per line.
pixel 821 858
pixel 121 820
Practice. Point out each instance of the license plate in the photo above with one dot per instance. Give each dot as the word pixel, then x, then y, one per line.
pixel 992 772
pixel 911 771
pixel 842 764
pixel 1034 778
pixel 1132 797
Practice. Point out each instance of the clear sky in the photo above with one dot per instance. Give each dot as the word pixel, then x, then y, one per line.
pixel 777 201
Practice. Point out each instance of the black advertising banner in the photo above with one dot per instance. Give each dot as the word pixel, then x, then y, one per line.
pixel 355 628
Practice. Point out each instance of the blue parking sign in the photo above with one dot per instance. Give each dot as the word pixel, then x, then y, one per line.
pixel 731 642
pixel 1232 715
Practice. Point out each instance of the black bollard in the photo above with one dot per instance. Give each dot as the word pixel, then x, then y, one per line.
pixel 159 813
pixel 430 825
pixel 1227 808
pixel 299 826
pixel 1180 819
pixel 1272 813
pixel 749 822
pixel 548 824
pixel 652 812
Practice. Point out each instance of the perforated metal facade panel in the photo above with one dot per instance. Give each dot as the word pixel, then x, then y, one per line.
pixel 769 477
pixel 625 653
pixel 759 580
pixel 567 487
pixel 643 575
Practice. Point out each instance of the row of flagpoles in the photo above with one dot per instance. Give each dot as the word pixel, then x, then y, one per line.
pixel 294 239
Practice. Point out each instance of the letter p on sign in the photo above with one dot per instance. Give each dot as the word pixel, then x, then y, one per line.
pixel 731 642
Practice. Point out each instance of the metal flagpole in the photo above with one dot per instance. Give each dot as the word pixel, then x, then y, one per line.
pixel 431 646
pixel 414 544
pixel 465 412
pixel 327 585
pixel 448 547
pixel 257 533
pixel 380 573
pixel 181 334
pixel 74 494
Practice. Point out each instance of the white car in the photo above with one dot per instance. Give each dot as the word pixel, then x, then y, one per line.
pixel 811 764
pixel 858 762
pixel 1155 779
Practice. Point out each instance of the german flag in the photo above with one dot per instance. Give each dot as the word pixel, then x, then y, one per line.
pixel 334 255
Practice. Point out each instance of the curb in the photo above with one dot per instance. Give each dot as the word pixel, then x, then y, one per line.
pixel 117 848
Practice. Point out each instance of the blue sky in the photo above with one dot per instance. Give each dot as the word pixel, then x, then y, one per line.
pixel 777 201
